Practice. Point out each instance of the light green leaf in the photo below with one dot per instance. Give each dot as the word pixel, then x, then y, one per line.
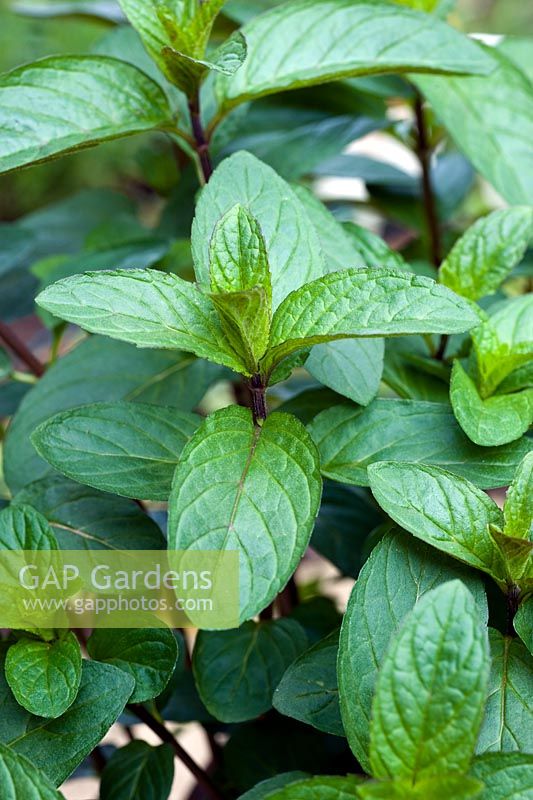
pixel 237 671
pixel 350 438
pixel 264 788
pixel 263 503
pixel 485 255
pixel 107 98
pixel 138 771
pixel 504 342
pixel 238 258
pixel 145 307
pixel 59 745
pixel 373 250
pixel 442 509
pixel 498 420
pixel 507 776
pixel 322 41
pixel 148 655
pixel 518 557
pixel 83 518
pixel 100 370
pixel 292 246
pixel 420 5
pixel 20 779
pixel 431 689
pixel 523 623
pixel 23 528
pixel 460 787
pixel 364 302
pixel 502 106
pixel 321 787
pixel 130 449
pixel 398 572
pixel 245 320
pixel 188 72
pixel 518 508
pixel 45 676
pixel 308 690
pixel 351 367
pixel 507 724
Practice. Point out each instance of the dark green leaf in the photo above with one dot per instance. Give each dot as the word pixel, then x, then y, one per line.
pixel 20 779
pixel 265 788
pixel 507 776
pixel 138 771
pixel 24 528
pixel 320 788
pixel 351 367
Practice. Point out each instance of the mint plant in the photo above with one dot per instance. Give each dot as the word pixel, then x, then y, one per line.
pixel 236 366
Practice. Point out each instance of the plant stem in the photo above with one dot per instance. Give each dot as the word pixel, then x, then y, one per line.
pixel 513 601
pixel 19 348
pixel 423 152
pixel 258 392
pixel 166 736
pixel 200 139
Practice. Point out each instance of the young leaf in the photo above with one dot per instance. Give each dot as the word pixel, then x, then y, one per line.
pixel 130 449
pixel 83 518
pixel 509 710
pixel 145 307
pixel 518 508
pixel 245 320
pixel 351 367
pixel 23 528
pixel 523 624
pixel 308 690
pixel 20 779
pixel 503 154
pixel 398 572
pixel 265 649
pixel 350 439
pixel 59 745
pixel 460 787
pixel 138 771
pixel 507 776
pixel 431 689
pixel 444 510
pixel 188 72
pixel 99 370
pixel 320 787
pixel 364 302
pixel 38 124
pixel 45 676
pixel 498 420
pixel 238 257
pixel 263 503
pixel 292 246
pixel 518 557
pixel 342 39
pixel 485 255
pixel 148 655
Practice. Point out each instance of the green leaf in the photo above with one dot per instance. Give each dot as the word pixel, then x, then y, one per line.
pixel 374 252
pixel 292 246
pixel 20 779
pixel 145 307
pixel 5 364
pixel 431 689
pixel 523 624
pixel 188 72
pixel 518 508
pixel 308 690
pixel 245 320
pixel 45 676
pixel 364 302
pixel 398 572
pixel 322 41
pixel 501 105
pixel 237 671
pixel 504 342
pixel 23 528
pixel 99 370
pixel 59 745
pixel 351 367
pixel 148 655
pixel 138 771
pixel 130 449
pixel 263 789
pixel 350 439
pixel 321 787
pixel 507 776
pixel 485 255
pixel 443 510
pixel 263 503
pixel 83 518
pixel 498 420
pixel 509 709
pixel 460 787
pixel 518 557
pixel 38 124
pixel 238 257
